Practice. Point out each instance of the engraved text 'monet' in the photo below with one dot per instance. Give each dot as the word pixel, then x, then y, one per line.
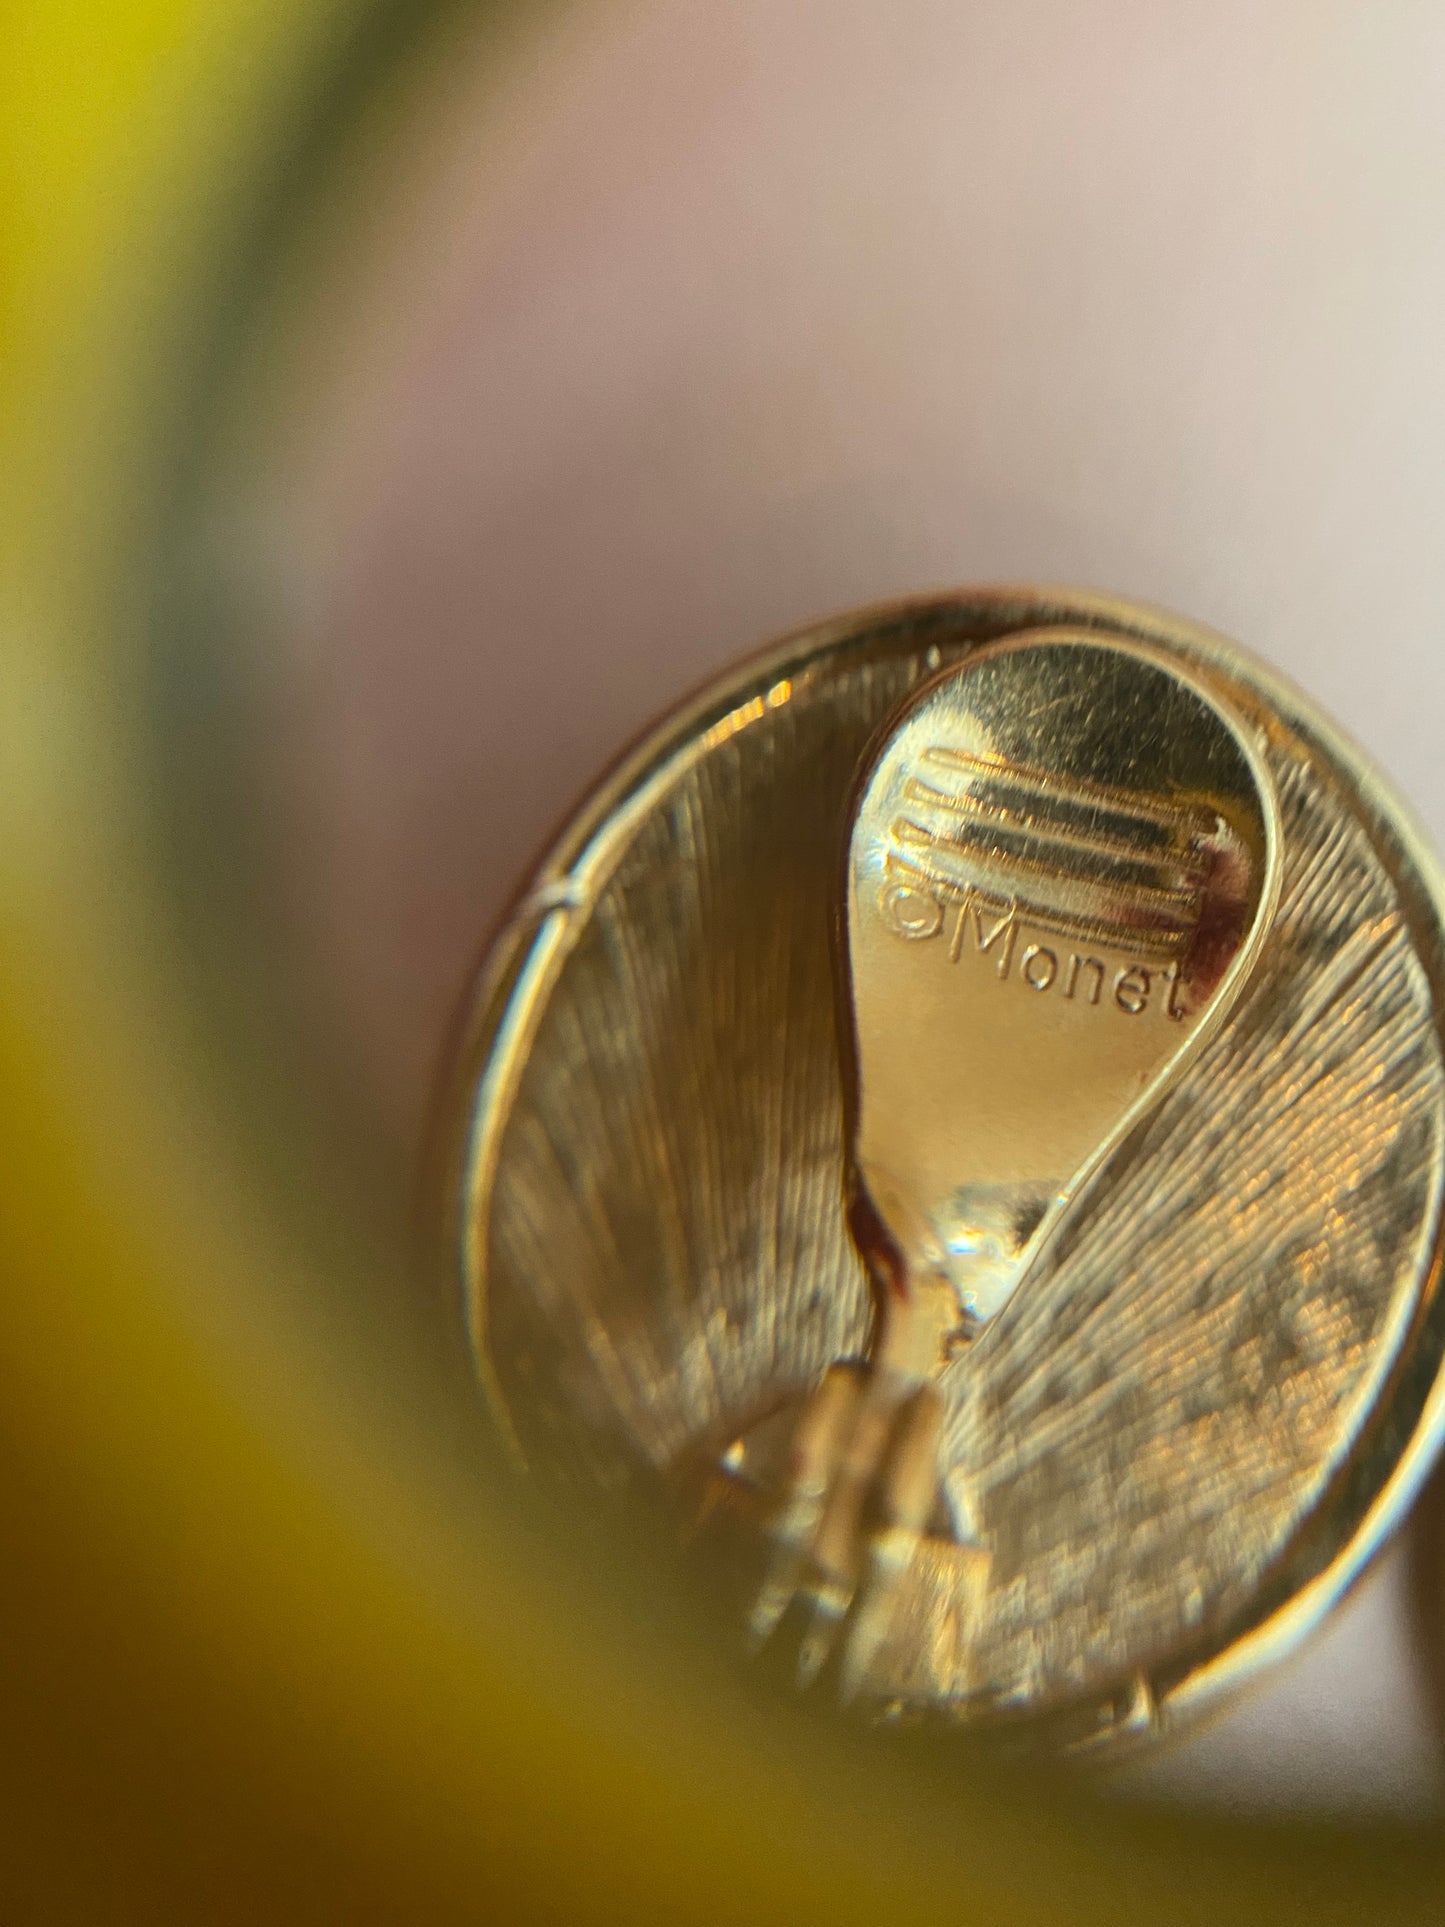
pixel 976 926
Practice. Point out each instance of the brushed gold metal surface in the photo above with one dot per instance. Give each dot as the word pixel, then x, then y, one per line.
pixel 1218 1385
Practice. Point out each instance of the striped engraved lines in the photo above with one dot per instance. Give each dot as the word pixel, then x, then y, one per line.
pixel 1084 859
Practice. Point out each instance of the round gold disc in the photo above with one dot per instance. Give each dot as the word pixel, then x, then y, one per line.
pixel 1217 1390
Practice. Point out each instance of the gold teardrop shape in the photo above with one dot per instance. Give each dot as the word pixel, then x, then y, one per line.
pixel 1060 865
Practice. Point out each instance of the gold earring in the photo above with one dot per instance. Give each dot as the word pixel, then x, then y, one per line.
pixel 967 1097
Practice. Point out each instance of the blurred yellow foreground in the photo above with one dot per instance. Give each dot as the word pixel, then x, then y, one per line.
pixel 259 1662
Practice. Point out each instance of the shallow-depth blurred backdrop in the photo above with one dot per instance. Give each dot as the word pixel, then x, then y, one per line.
pixel 407 405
